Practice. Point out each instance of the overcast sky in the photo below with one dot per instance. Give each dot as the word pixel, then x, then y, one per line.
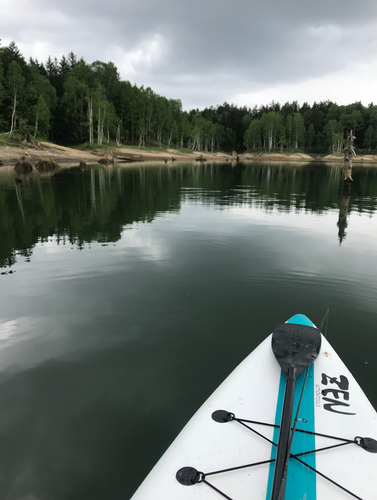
pixel 206 52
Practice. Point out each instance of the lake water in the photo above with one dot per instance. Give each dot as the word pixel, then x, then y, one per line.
pixel 129 294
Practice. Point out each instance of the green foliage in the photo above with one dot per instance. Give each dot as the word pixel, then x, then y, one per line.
pixel 253 135
pixel 43 87
pixel 310 137
pixel 74 102
pixel 14 85
pixel 334 136
pixel 42 117
pixel 11 140
pixel 299 131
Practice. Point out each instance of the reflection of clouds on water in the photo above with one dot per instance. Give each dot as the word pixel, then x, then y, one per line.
pixel 69 302
pixel 7 330
pixel 144 242
pixel 307 252
pixel 27 340
pixel 317 225
pixel 77 289
pixel 137 240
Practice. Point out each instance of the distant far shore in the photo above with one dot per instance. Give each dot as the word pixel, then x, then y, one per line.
pixel 9 155
pixel 303 157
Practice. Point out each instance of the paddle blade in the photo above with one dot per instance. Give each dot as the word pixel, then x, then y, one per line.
pixel 295 346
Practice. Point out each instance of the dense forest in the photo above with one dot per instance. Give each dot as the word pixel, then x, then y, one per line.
pixel 73 102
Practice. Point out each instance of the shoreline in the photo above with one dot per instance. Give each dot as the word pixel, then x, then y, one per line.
pixel 303 157
pixel 9 156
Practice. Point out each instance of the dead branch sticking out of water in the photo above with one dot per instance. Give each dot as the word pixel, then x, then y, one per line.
pixel 200 158
pixel 107 158
pixel 23 166
pixel 46 165
pixel 349 152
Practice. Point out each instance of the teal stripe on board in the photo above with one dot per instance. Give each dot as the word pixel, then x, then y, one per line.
pixel 301 481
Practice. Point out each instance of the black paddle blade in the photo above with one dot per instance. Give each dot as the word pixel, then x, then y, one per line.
pixel 295 346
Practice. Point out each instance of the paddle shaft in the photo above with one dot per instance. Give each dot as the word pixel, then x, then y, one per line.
pixel 284 435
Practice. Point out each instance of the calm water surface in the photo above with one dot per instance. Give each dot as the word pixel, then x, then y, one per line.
pixel 129 294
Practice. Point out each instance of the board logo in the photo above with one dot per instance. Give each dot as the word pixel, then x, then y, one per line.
pixel 339 394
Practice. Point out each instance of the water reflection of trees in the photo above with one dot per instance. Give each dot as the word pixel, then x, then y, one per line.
pixel 79 207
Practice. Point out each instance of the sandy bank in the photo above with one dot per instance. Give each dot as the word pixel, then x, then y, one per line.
pixel 302 157
pixel 356 159
pixel 65 155
pixel 282 157
pixel 62 154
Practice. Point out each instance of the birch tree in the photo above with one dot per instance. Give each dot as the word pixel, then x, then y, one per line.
pixel 298 130
pixel 253 135
pixel 162 117
pixel 311 136
pixel 196 133
pixel 111 121
pixel 75 101
pixel 101 109
pixel 83 74
pixel 118 136
pixel 271 123
pixel 15 84
pixel 42 117
pixel 175 114
pixel 334 136
pixel 289 129
pixel 104 115
pixel 184 129
pixel 90 118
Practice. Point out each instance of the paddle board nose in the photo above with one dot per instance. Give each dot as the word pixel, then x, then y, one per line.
pixel 300 319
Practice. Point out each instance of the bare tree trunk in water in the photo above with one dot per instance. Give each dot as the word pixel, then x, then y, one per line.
pixel 348 153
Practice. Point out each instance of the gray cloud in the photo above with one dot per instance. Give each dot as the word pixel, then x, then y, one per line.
pixel 204 52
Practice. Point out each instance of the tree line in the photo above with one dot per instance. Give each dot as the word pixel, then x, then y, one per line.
pixel 73 102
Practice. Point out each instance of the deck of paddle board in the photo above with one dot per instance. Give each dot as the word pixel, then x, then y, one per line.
pixel 333 404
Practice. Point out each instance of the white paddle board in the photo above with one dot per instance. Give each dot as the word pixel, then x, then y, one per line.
pixel 333 411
